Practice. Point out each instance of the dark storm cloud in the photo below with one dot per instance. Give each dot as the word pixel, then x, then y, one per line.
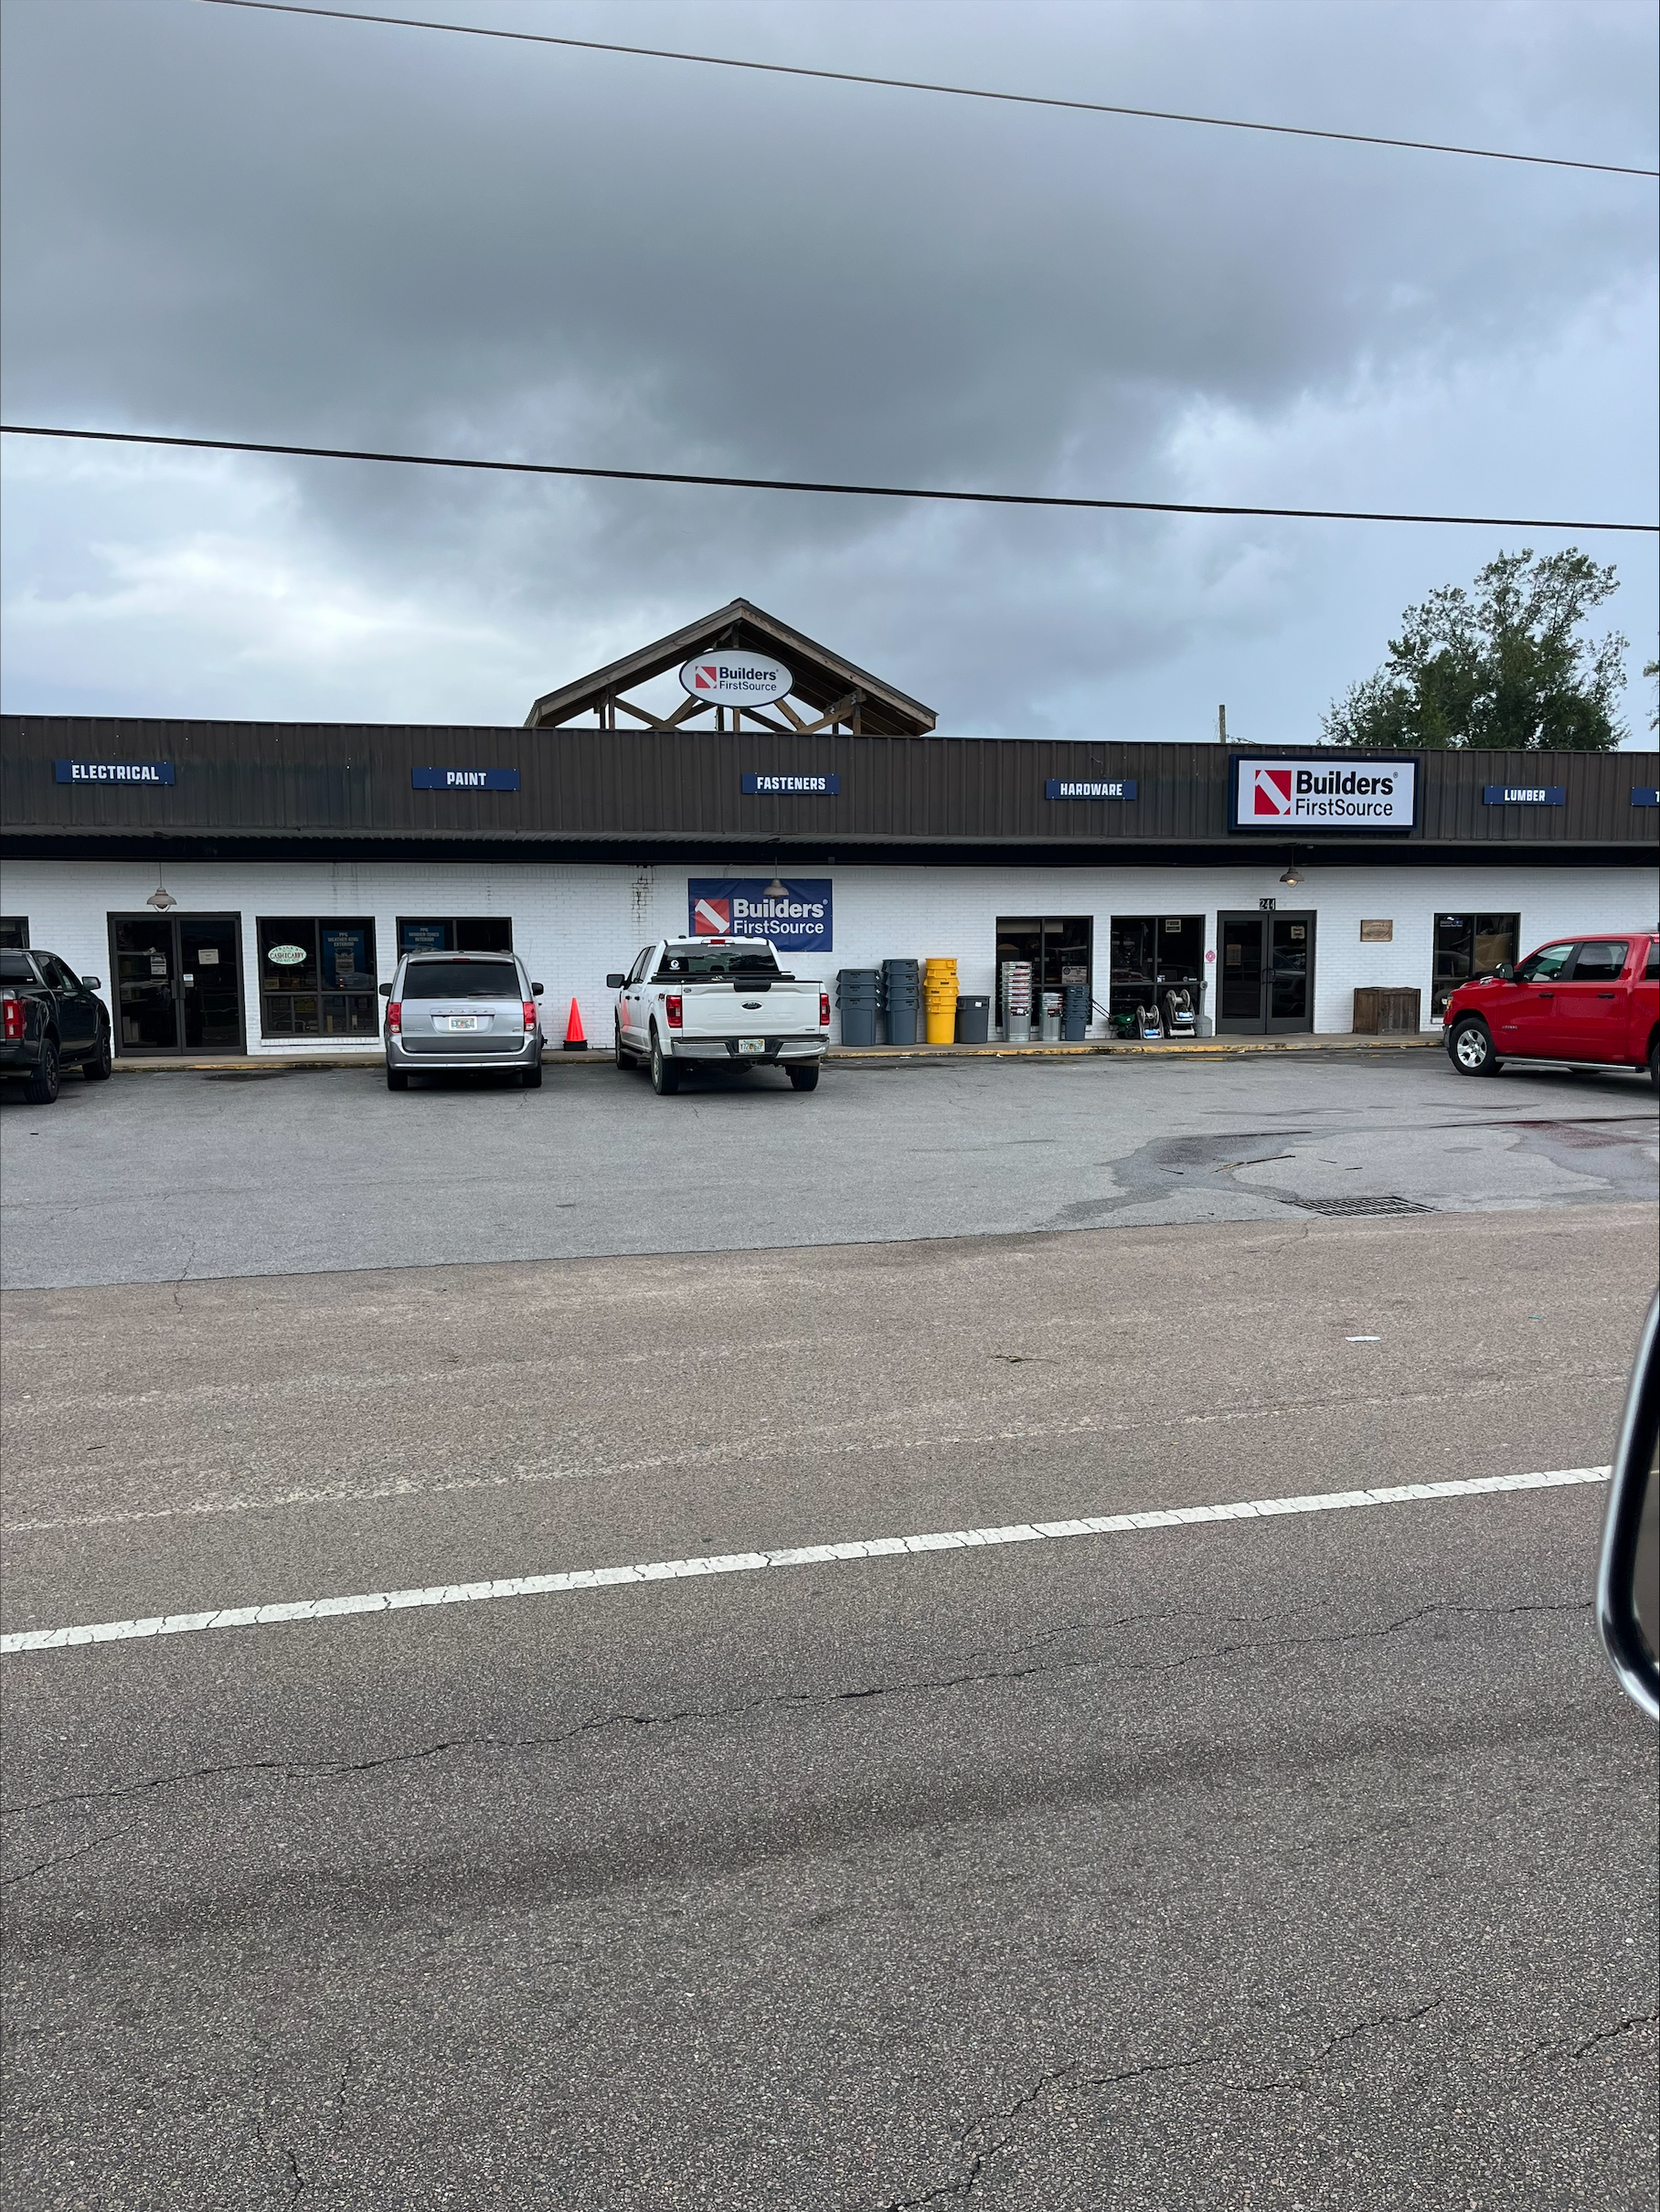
pixel 278 228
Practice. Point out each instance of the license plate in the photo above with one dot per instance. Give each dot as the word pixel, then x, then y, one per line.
pixel 751 1044
pixel 464 1021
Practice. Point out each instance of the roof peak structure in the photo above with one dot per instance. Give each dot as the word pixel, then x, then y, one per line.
pixel 826 692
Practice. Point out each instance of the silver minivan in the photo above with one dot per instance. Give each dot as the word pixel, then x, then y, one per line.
pixel 472 1011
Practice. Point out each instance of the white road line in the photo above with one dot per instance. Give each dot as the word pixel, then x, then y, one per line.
pixel 751 1562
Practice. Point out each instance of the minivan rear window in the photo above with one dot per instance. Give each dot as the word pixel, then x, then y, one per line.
pixel 461 979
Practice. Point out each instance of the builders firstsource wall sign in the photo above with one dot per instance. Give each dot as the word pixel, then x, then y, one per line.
pixel 1349 792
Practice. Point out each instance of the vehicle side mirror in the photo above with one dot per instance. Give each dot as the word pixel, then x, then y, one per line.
pixel 536 990
pixel 615 982
pixel 1505 972
pixel 385 990
pixel 1628 1582
pixel 91 982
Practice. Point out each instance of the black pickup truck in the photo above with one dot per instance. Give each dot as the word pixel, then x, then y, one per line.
pixel 52 1019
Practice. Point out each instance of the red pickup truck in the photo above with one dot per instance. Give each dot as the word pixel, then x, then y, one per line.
pixel 1591 1000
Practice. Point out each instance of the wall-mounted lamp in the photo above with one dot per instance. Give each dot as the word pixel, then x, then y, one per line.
pixel 161 899
pixel 777 888
pixel 1291 875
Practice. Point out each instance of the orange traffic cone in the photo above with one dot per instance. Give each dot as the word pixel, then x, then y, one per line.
pixel 574 1039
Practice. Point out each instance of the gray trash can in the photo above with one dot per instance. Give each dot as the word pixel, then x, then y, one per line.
pixel 973 1020
pixel 901 1000
pixel 858 994
pixel 1051 1018
pixel 1074 1013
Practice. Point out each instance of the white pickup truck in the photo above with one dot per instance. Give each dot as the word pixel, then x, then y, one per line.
pixel 690 1000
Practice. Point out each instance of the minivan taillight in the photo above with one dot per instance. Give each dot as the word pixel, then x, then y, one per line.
pixel 393 1017
pixel 672 1011
pixel 14 1017
pixel 529 1014
pixel 823 1009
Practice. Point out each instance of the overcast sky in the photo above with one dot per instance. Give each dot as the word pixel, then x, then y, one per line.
pixel 277 228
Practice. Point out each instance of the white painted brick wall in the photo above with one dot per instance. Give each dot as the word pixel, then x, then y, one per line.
pixel 571 924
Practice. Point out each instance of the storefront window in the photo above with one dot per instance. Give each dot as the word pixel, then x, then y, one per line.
pixel 481 933
pixel 317 977
pixel 1467 945
pixel 1060 947
pixel 1153 953
pixel 14 932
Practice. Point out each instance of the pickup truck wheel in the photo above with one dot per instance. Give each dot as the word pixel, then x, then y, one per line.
pixel 43 1083
pixel 624 1060
pixel 1472 1050
pixel 665 1076
pixel 396 1079
pixel 97 1069
pixel 803 1079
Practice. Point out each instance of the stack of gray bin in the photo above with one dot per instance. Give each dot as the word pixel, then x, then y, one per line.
pixel 858 992
pixel 1074 1012
pixel 901 996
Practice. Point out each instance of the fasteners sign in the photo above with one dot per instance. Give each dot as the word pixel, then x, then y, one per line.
pixel 735 679
pixel 1349 792
pixel 746 906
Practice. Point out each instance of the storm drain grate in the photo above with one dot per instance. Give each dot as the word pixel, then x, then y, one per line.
pixel 1355 1205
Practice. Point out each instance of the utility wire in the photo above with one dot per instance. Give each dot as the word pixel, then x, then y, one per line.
pixel 789 483
pixel 911 84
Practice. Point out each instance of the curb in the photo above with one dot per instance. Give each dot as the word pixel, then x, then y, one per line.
pixel 845 1056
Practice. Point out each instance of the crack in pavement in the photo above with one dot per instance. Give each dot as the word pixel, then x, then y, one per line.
pixel 977 2133
pixel 1604 2035
pixel 790 1701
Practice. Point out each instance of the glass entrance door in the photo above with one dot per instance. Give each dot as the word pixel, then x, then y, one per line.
pixel 177 982
pixel 1267 973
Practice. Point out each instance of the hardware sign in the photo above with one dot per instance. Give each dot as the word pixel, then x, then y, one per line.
pixel 742 906
pixel 735 679
pixel 1123 787
pixel 1351 791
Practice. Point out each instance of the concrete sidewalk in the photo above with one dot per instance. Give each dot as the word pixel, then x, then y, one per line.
pixel 1206 1049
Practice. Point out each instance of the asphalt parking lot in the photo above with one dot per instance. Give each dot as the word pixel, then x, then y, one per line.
pixel 592 1716
pixel 162 1178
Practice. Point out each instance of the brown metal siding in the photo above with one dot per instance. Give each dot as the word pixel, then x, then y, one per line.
pixel 308 780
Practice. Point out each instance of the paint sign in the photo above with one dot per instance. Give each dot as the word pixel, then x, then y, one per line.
pixel 1348 793
pixel 735 679
pixel 112 771
pixel 742 906
pixel 1525 794
pixel 812 787
pixel 464 779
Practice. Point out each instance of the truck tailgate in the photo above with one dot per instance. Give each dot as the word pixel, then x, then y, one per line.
pixel 774 1009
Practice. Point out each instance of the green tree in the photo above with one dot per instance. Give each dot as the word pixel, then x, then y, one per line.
pixel 1505 666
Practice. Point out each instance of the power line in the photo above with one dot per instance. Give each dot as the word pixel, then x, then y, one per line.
pixel 789 483
pixel 911 84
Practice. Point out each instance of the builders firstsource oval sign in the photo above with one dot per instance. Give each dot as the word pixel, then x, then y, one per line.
pixel 735 679
pixel 1346 792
